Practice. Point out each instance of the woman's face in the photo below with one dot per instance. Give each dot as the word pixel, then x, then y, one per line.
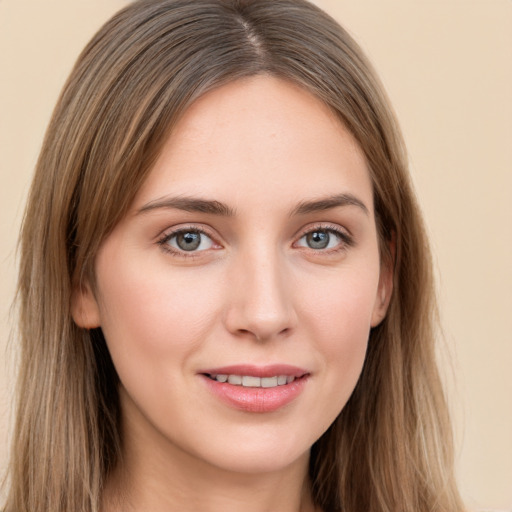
pixel 250 255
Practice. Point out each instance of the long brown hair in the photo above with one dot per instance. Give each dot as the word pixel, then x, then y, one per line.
pixel 390 448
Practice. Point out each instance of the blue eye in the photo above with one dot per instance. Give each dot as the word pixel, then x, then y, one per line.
pixel 189 240
pixel 321 239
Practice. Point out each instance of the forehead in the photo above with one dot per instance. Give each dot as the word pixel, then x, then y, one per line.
pixel 260 137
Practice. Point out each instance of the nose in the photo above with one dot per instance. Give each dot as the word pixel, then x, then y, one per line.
pixel 260 303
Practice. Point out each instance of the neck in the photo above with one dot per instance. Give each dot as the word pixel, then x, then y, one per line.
pixel 221 493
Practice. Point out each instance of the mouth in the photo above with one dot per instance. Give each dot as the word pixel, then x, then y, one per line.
pixel 256 389
pixel 250 381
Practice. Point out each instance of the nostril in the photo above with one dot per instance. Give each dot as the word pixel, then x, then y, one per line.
pixel 262 334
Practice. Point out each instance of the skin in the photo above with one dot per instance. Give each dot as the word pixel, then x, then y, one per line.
pixel 254 291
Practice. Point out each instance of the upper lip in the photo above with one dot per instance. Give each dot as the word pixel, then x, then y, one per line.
pixel 257 371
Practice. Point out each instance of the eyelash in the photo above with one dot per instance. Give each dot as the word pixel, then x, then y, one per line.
pixel 345 240
pixel 167 237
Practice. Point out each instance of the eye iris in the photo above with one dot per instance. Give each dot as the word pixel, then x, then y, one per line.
pixel 318 239
pixel 188 241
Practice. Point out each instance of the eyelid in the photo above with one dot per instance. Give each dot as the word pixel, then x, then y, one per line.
pixel 345 236
pixel 169 233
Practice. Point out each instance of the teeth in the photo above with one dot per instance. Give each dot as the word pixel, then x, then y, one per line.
pixel 235 379
pixel 249 381
pixel 269 382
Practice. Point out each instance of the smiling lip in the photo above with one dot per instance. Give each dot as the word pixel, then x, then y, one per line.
pixel 259 391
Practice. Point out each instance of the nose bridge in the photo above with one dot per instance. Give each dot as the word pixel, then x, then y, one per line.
pixel 261 301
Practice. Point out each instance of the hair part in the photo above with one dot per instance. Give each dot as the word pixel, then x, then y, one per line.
pixel 390 448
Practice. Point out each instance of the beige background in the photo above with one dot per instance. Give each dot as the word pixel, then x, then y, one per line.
pixel 447 65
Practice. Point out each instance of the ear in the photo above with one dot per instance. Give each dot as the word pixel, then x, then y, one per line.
pixel 385 288
pixel 84 307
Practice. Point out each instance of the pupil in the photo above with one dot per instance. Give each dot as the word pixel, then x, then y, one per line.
pixel 318 239
pixel 188 241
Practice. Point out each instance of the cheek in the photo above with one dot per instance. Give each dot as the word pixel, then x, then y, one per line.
pixel 338 317
pixel 149 314
pixel 341 303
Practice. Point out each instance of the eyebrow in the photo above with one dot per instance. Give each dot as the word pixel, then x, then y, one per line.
pixel 212 207
pixel 190 204
pixel 328 203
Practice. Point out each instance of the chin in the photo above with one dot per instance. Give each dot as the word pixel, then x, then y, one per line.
pixel 251 463
pixel 264 453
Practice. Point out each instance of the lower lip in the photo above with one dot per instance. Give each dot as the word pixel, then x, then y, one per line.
pixel 259 400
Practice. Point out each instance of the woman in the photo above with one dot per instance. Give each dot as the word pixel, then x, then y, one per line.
pixel 225 286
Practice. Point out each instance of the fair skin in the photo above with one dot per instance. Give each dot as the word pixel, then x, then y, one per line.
pixel 251 245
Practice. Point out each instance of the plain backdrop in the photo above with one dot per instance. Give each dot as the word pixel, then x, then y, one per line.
pixel 447 66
